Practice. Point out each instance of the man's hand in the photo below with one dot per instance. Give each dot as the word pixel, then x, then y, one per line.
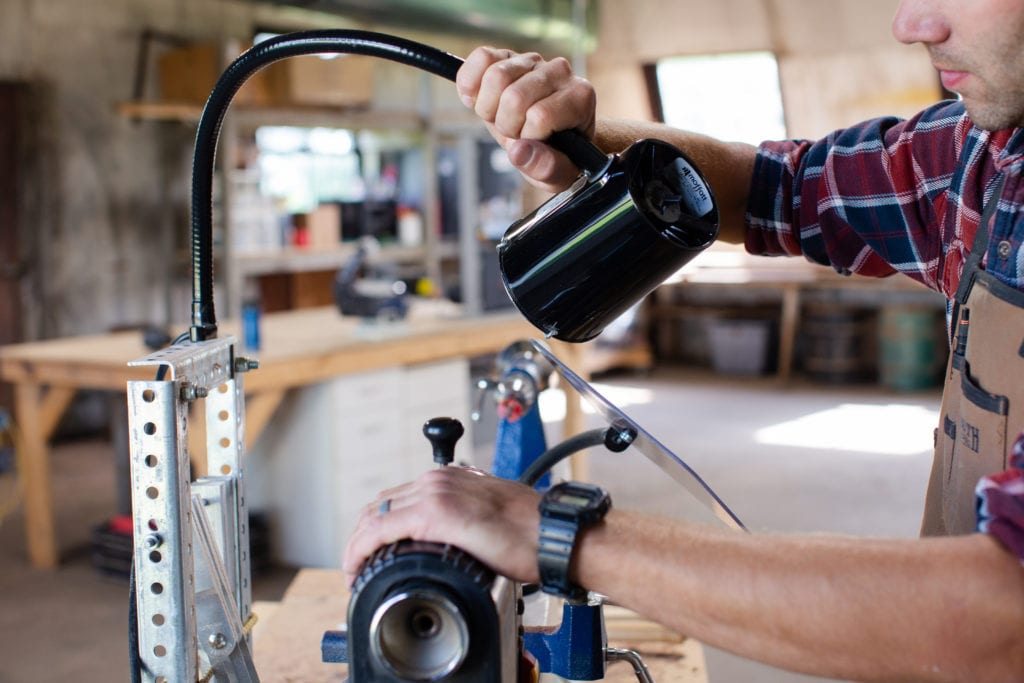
pixel 523 99
pixel 493 519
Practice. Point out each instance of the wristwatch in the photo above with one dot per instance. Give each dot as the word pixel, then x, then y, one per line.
pixel 565 509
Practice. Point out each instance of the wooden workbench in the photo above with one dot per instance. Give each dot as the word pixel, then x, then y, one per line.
pixel 727 270
pixel 286 639
pixel 298 348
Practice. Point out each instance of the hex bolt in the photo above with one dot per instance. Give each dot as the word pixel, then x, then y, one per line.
pixel 618 437
pixel 245 364
pixel 218 641
pixel 190 392
pixel 152 541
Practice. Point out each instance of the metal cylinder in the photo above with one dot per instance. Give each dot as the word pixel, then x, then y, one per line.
pixel 587 255
pixel 419 635
pixel 428 612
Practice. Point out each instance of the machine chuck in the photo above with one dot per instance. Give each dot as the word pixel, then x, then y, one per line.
pixel 428 612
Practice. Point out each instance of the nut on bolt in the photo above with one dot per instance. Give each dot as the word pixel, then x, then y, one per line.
pixel 245 364
pixel 190 392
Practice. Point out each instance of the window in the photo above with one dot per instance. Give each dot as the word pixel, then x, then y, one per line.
pixel 306 166
pixel 732 97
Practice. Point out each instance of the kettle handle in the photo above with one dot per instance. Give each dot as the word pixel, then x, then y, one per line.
pixel 580 151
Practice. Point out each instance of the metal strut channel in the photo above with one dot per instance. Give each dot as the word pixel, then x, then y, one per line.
pixel 191 539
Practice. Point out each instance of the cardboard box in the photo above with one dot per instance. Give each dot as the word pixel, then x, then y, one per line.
pixel 188 74
pixel 740 346
pixel 341 81
pixel 324 225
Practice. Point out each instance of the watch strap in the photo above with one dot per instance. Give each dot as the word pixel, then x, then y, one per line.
pixel 566 509
pixel 554 555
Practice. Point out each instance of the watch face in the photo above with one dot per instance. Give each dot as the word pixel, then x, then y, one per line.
pixel 576 500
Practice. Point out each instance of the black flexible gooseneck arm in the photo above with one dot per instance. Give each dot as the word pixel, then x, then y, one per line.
pixel 204 322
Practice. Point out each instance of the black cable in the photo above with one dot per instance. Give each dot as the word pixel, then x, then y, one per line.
pixel 615 438
pixel 555 454
pixel 204 323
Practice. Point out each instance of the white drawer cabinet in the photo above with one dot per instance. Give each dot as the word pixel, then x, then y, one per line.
pixel 332 447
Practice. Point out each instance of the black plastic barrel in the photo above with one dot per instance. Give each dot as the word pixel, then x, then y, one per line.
pixel 838 344
pixel 911 348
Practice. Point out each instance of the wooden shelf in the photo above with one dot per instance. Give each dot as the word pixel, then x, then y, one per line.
pixel 297 115
pixel 159 111
pixel 634 356
pixel 306 259
pixel 424 128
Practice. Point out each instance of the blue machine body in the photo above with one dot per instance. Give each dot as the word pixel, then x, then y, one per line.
pixel 576 650
pixel 334 647
pixel 518 443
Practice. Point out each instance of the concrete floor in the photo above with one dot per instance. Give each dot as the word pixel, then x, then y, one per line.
pixel 851 472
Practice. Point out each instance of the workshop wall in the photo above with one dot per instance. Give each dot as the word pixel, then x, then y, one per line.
pixel 103 196
pixel 838 61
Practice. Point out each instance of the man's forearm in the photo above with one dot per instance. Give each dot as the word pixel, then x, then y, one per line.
pixel 728 166
pixel 947 609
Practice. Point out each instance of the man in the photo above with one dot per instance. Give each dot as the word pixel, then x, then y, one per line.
pixel 882 197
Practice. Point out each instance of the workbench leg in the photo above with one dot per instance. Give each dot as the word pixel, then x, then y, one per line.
pixel 37 413
pixel 259 408
pixel 573 355
pixel 787 330
pixel 197 438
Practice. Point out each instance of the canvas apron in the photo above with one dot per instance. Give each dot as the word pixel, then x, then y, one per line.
pixel 983 401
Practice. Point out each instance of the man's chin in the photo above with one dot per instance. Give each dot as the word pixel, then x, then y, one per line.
pixel 993 118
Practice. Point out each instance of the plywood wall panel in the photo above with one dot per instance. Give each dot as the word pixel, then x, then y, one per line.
pixel 827 26
pixel 622 93
pixel 822 93
pixel 645 30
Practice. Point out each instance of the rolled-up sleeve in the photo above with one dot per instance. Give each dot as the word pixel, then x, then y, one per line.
pixel 869 199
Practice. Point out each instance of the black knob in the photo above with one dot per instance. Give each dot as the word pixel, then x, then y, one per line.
pixel 443 432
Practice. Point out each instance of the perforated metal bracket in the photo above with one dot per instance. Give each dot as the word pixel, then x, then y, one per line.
pixel 205 364
pixel 182 550
pixel 223 646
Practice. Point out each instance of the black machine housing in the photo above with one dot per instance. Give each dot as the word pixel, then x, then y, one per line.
pixel 429 612
pixel 368 298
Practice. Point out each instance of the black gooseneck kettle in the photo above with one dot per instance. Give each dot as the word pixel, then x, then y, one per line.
pixel 588 254
pixel 572 266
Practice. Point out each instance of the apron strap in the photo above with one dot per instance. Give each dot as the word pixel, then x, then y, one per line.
pixel 973 263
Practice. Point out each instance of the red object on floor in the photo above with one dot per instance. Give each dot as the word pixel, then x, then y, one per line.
pixel 121 524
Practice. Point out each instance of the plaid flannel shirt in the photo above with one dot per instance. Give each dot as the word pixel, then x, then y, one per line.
pixel 902 196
